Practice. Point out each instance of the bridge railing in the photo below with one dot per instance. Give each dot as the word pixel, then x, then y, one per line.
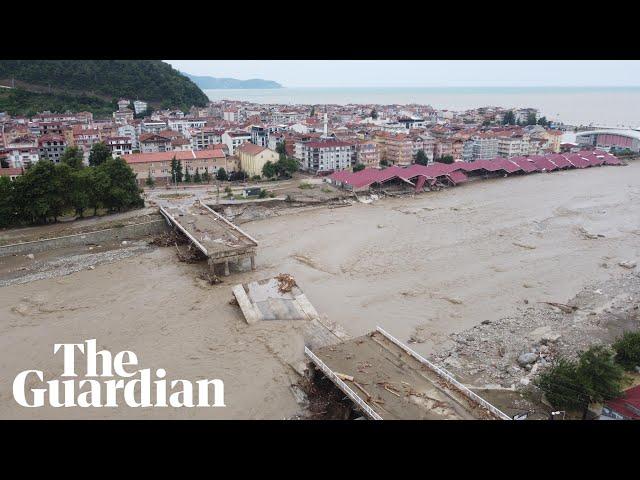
pixel 343 386
pixel 441 372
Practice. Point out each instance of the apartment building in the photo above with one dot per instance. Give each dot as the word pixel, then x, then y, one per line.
pixel 260 136
pixel 233 139
pixel 367 153
pixel 326 155
pixel 119 146
pixel 51 147
pixel 154 142
pixel 205 138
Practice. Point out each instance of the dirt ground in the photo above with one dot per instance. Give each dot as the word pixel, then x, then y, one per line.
pixel 422 268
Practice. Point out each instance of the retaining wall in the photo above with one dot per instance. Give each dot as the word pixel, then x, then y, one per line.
pixel 125 232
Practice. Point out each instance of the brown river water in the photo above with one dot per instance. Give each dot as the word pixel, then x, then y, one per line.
pixel 439 263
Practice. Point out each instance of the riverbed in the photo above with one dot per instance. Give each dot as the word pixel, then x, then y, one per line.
pixel 438 263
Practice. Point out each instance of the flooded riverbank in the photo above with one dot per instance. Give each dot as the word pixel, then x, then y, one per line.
pixel 426 266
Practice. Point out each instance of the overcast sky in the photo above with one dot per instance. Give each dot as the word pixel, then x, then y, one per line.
pixel 425 73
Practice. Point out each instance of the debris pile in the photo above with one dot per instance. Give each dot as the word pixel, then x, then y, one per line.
pixel 324 401
pixel 167 239
pixel 190 255
pixel 511 351
pixel 212 278
pixel 285 282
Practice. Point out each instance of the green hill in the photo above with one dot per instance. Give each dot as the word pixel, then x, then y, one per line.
pixel 93 85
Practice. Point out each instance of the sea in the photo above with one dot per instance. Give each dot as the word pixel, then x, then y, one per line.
pixel 595 106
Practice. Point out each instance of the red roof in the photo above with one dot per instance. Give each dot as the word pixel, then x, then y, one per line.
pixel 628 405
pixel 9 172
pixel 250 148
pixel 168 156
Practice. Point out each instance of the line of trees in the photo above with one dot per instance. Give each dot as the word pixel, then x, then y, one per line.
pixel 178 176
pixel 597 375
pixel 46 191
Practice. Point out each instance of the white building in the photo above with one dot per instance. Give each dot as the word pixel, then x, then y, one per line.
pixel 326 155
pixel 233 139
pixel 139 107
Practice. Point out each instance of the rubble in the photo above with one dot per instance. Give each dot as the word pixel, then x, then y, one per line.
pixel 505 351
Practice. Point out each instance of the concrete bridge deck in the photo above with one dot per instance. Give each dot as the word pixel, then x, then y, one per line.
pixel 218 239
pixel 388 381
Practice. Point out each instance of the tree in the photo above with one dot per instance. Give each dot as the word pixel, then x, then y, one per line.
pixel 509 118
pixel 7 199
pixel 73 157
pixel 313 111
pixel 82 185
pixel 531 118
pixel 99 154
pixel 281 148
pixel 562 387
pixel 178 175
pixel 574 385
pixel 176 170
pixel 445 159
pixel 543 121
pixel 421 158
pixel 187 177
pixel 269 170
pixel 374 114
pixel 627 349
pixel 358 167
pixel 123 191
pixel 384 162
pixel 599 375
pixel 150 182
pixel 206 178
pixel 222 175
pixel 101 182
pixel 286 166
pixel 196 177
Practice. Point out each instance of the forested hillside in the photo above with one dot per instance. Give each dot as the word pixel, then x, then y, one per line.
pixel 95 83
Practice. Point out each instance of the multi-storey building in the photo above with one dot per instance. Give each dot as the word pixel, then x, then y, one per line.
pixel 154 142
pixel 259 136
pixel 139 107
pixel 367 153
pixel 51 147
pixel 119 146
pixel 233 139
pixel 326 155
pixel 205 138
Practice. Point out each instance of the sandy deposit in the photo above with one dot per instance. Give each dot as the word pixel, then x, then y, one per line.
pixel 431 265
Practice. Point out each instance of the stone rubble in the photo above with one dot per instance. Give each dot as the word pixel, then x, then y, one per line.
pixel 511 351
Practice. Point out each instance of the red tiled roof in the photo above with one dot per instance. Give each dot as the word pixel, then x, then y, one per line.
pixel 8 172
pixel 167 156
pixel 250 148
pixel 628 405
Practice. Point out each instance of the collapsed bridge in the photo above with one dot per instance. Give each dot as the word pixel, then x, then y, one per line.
pixel 217 238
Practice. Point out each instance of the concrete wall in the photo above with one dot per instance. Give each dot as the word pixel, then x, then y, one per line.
pixel 126 232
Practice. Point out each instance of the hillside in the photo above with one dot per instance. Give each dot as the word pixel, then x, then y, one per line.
pixel 93 85
pixel 213 83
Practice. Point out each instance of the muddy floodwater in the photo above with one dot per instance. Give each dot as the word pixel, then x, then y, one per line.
pixel 433 264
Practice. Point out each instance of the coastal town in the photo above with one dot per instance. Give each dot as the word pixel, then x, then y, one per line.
pixel 277 169
pixel 243 137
